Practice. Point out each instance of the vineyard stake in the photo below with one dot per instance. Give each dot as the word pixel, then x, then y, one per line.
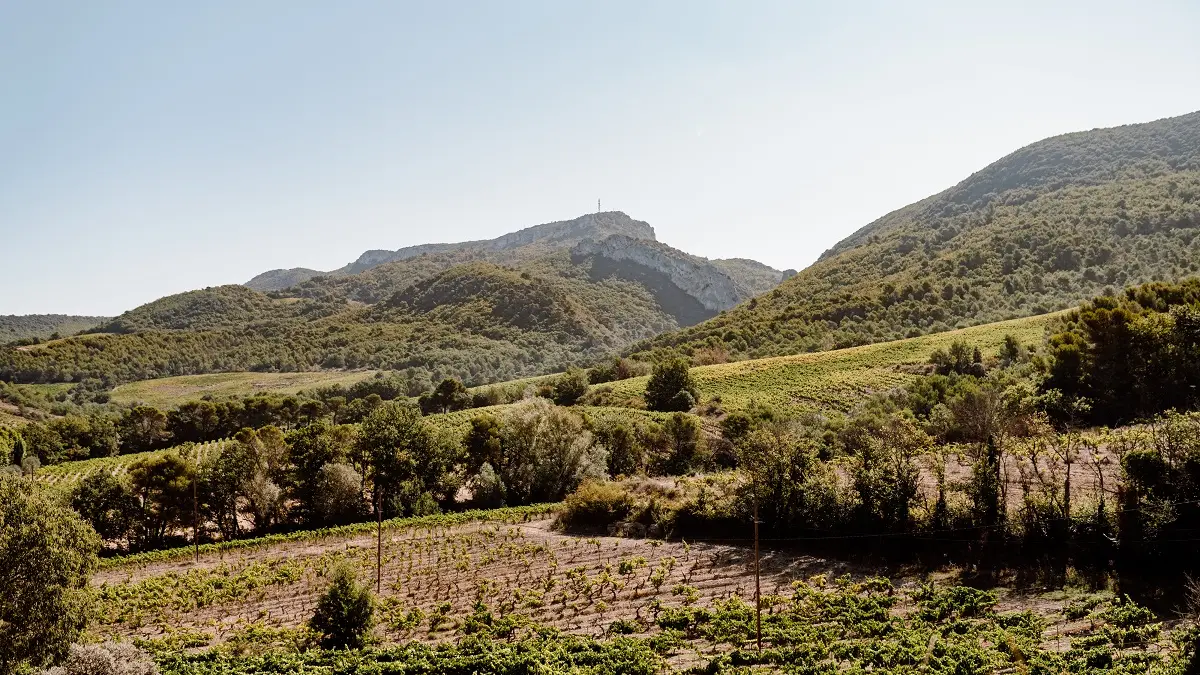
pixel 757 590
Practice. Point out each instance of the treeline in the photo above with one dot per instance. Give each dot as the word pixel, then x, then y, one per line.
pixel 395 462
pixel 1129 356
pixel 85 430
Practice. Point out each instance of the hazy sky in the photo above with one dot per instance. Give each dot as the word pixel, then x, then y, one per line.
pixel 148 148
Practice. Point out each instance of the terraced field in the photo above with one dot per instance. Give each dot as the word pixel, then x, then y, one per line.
pixel 839 379
pixel 171 391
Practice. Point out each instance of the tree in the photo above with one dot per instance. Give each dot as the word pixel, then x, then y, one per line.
pixel 570 387
pixel 685 445
pixel 338 494
pixel 194 422
pixel 626 456
pixel 345 614
pixel 47 554
pixel 483 442
pixel 107 504
pixel 225 479
pixel 309 449
pixel 671 388
pixel 143 428
pixel 408 458
pixel 448 396
pixel 546 453
pixel 163 485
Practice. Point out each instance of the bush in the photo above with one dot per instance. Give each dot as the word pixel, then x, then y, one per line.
pixel 595 504
pixel 671 388
pixel 345 613
pixel 110 658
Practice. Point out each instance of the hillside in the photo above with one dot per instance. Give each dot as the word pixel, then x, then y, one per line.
pixel 841 379
pixel 1041 229
pixel 14 328
pixel 529 302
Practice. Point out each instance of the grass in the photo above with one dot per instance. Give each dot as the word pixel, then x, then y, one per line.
pixel 172 391
pixel 838 380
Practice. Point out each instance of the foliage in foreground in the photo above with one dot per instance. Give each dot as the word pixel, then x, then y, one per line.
pixel 46 556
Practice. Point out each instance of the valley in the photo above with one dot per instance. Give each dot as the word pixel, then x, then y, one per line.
pixel 963 441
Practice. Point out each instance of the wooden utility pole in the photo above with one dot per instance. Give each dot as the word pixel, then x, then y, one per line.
pixel 757 587
pixel 196 507
pixel 378 544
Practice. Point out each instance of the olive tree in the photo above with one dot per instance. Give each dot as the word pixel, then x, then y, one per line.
pixel 546 453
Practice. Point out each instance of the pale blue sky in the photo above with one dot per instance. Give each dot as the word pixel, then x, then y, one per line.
pixel 148 148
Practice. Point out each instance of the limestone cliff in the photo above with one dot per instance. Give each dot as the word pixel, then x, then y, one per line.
pixel 698 277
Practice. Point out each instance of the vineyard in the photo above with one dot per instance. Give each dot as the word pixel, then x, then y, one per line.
pixel 510 589
pixel 67 474
pixel 172 391
pixel 837 380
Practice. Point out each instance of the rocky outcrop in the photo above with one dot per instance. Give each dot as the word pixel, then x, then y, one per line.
pixel 277 280
pixel 698 277
pixel 595 226
pixel 560 234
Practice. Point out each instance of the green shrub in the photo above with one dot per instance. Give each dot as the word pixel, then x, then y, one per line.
pixel 595 504
pixel 345 613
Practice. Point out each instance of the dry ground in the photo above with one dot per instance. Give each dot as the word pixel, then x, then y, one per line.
pixel 580 585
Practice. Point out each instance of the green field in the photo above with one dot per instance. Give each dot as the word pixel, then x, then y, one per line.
pixel 171 391
pixel 840 379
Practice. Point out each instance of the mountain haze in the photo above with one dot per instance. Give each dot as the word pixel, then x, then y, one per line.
pixel 1053 223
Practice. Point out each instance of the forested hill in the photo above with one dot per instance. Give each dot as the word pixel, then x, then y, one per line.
pixel 1051 224
pixel 17 328
pixel 527 303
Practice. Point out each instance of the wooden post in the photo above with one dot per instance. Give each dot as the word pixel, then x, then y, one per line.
pixel 378 544
pixel 757 587
pixel 196 506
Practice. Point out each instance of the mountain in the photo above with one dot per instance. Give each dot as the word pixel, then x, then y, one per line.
pixel 526 303
pixel 1044 228
pixel 520 245
pixel 15 328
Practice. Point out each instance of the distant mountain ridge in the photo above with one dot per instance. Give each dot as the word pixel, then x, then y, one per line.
pixel 564 232
pixel 1043 228
pixel 42 326
pixel 525 303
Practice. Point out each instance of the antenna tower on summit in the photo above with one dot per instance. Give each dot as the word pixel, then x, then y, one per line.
pixel 597 206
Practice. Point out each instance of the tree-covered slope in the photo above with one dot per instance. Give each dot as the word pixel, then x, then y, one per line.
pixel 14 328
pixel 1054 223
pixel 523 304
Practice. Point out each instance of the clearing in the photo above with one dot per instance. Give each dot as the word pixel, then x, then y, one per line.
pixel 172 391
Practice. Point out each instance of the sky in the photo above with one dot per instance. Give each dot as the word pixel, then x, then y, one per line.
pixel 148 148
